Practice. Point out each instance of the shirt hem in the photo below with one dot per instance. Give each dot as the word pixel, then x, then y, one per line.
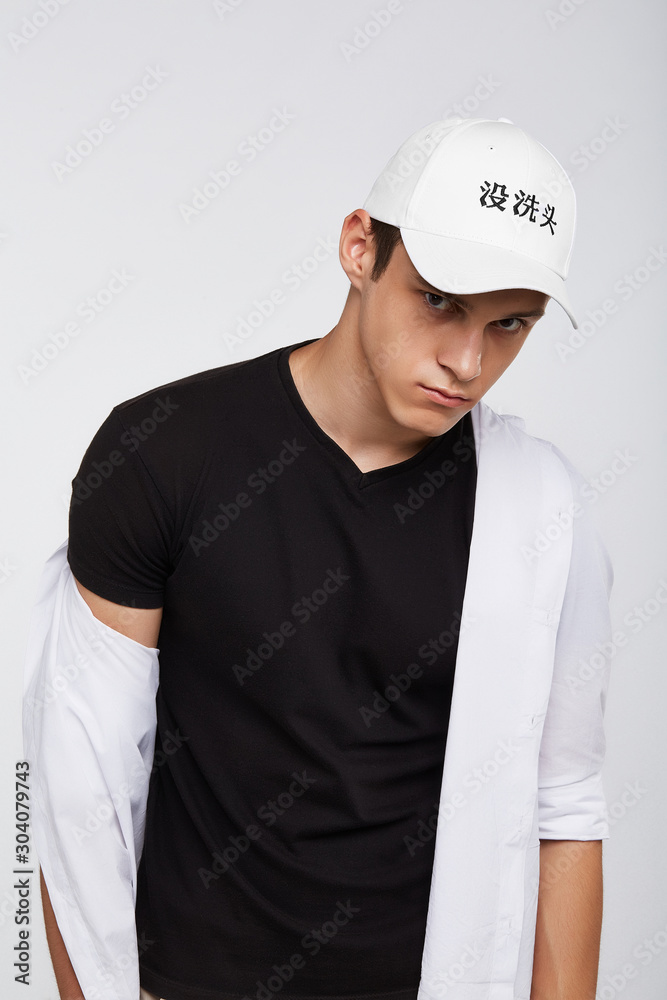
pixel 168 989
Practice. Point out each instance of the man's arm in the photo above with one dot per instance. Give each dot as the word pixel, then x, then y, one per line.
pixel 68 984
pixel 569 920
pixel 142 625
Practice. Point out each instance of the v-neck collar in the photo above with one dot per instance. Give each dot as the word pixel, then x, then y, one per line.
pixel 346 465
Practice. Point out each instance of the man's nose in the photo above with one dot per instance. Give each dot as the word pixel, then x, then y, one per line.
pixel 461 351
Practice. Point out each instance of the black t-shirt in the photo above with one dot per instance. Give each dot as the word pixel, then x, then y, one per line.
pixel 307 653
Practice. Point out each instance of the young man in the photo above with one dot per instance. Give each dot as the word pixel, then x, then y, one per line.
pixel 350 565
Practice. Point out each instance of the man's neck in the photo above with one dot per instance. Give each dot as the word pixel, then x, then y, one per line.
pixel 337 386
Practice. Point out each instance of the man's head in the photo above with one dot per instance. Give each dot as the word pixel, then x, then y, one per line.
pixel 465 236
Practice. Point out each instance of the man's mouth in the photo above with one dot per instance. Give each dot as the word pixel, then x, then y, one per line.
pixel 444 396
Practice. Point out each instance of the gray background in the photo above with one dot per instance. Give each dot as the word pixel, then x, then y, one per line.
pixel 562 70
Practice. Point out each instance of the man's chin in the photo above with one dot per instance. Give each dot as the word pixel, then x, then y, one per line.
pixel 430 421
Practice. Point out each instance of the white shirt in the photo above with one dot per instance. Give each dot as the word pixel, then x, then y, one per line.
pixel 524 752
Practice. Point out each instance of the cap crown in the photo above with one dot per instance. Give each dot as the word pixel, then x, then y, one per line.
pixel 480 181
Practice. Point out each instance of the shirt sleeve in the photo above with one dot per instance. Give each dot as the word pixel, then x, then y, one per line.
pixel 120 525
pixel 89 733
pixel 572 804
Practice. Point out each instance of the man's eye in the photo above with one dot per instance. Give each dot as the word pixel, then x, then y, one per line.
pixel 511 329
pixel 439 302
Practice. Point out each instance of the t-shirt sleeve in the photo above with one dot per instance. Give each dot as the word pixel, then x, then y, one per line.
pixel 120 525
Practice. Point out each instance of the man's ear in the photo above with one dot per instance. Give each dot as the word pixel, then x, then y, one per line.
pixel 356 249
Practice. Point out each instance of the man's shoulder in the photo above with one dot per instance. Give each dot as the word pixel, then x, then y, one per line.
pixel 175 427
pixel 200 390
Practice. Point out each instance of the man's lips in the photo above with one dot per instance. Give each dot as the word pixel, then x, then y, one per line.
pixel 443 396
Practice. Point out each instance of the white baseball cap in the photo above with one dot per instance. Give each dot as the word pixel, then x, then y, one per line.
pixel 481 206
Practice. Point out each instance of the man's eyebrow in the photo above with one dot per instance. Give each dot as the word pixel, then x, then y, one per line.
pixel 468 305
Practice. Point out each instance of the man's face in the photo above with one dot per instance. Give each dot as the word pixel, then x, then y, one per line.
pixel 416 337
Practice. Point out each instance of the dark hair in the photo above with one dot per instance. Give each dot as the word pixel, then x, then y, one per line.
pixel 385 240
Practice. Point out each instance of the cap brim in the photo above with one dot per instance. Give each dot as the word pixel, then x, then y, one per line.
pixel 465 267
